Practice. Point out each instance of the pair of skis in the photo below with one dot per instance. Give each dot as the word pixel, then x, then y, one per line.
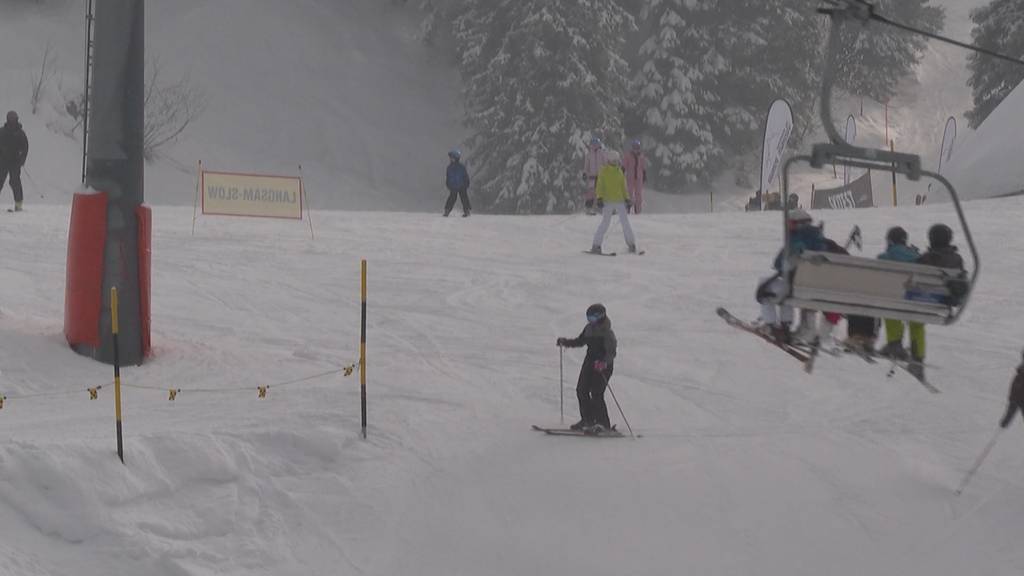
pixel 638 253
pixel 613 433
pixel 807 354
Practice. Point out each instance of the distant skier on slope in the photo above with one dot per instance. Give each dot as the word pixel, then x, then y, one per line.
pixel 612 198
pixel 1016 401
pixel 634 164
pixel 597 369
pixel 776 320
pixel 592 163
pixel 457 181
pixel 13 153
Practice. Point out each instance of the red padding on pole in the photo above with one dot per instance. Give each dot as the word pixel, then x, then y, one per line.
pixel 145 218
pixel 83 295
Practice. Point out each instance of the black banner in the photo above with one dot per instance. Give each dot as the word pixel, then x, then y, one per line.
pixel 856 195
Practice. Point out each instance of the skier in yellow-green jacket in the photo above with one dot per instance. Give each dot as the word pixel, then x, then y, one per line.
pixel 612 198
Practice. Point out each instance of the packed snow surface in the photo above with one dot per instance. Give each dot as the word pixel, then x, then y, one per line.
pixel 747 464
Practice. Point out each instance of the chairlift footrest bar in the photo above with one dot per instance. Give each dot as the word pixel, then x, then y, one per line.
pixel 871 158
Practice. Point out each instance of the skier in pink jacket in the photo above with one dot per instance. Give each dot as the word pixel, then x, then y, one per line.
pixel 634 164
pixel 592 163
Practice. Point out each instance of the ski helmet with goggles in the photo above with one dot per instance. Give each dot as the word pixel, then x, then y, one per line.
pixel 595 313
pixel 12 117
pixel 896 235
pixel 455 154
pixel 636 145
pixel 595 142
pixel 940 236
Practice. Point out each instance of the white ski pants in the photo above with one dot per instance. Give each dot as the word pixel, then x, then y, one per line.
pixel 606 220
pixel 771 312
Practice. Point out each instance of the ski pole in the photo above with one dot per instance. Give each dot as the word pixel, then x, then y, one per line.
pixel 619 406
pixel 561 387
pixel 979 461
pixel 34 184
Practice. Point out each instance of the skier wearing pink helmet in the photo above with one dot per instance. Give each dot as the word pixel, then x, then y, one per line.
pixel 634 164
pixel 593 160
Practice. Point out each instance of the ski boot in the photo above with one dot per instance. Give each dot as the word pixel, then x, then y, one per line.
pixel 778 332
pixel 579 425
pixel 632 248
pixel 595 429
pixel 465 214
pixel 17 206
pixel 916 369
pixel 595 249
pixel 894 350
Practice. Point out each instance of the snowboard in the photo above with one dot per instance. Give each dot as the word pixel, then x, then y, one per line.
pixel 613 433
pixel 799 353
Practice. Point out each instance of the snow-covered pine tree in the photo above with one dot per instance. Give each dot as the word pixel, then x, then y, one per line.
pixel 677 90
pixel 541 76
pixel 774 50
pixel 998 26
pixel 708 72
pixel 878 57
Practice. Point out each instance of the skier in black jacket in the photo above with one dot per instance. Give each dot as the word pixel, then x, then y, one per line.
pixel 13 153
pixel 597 368
pixel 1016 400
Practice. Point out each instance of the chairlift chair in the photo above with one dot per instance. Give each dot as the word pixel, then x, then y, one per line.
pixel 864 286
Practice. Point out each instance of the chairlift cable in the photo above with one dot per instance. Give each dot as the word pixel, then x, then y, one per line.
pixel 864 11
pixel 934 36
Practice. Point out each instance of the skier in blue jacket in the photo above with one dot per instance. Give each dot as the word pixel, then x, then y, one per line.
pixel 897 250
pixel 457 181
pixel 776 320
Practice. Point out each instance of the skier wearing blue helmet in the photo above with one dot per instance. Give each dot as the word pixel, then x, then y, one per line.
pixel 597 369
pixel 457 181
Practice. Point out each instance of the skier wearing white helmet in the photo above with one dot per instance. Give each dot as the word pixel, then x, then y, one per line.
pixel 612 198
pixel 803 235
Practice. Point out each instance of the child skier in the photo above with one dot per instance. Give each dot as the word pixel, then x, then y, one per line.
pixel 1016 400
pixel 942 253
pixel 457 181
pixel 597 368
pixel 592 163
pixel 634 164
pixel 776 320
pixel 612 197
pixel 897 250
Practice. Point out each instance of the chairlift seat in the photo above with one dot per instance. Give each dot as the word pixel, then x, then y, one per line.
pixel 877 288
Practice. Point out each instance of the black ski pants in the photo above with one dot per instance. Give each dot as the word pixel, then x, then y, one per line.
pixel 15 174
pixel 590 393
pixel 462 194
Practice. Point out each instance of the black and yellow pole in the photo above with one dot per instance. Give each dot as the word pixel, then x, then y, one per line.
pixel 117 372
pixel 362 351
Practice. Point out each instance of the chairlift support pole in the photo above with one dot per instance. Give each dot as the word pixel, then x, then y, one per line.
pixel 88 75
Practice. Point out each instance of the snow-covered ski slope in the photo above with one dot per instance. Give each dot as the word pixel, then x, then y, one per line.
pixel 747 466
